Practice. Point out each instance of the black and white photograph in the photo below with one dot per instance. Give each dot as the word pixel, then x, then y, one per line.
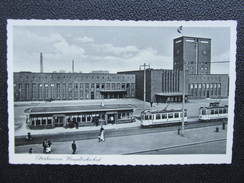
pixel 121 92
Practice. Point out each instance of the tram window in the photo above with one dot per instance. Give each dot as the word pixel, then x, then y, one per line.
pixel 83 119
pixel 224 110
pixel 212 111
pixel 158 116
pixel 89 118
pixel 170 115
pixel 203 111
pixel 164 116
pixel 78 119
pixel 49 121
pixel 146 117
pixel 220 111
pixel 38 122
pixel 216 111
pixel 32 122
pixel 150 116
pixel 176 115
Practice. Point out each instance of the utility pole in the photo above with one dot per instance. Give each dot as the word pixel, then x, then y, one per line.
pixel 144 90
pixel 183 101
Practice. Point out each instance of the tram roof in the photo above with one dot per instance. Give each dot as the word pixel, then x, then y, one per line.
pixel 214 107
pixel 163 111
pixel 81 108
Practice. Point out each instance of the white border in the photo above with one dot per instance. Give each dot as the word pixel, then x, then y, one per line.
pixel 121 159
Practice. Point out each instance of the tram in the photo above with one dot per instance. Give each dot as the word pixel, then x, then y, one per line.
pixel 213 112
pixel 164 117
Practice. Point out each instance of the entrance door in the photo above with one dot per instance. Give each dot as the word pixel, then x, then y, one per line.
pixel 207 94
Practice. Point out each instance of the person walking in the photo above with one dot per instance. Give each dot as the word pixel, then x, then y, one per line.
pixel 74 147
pixel 44 145
pixel 101 136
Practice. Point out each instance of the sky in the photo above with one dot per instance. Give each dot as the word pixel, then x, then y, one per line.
pixel 110 48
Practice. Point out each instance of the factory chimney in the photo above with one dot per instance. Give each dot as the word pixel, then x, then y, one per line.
pixel 73 65
pixel 41 63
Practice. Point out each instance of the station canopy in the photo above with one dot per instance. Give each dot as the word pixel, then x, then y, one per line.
pixel 81 108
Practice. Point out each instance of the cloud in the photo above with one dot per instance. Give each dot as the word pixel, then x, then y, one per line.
pixel 85 39
pixel 115 50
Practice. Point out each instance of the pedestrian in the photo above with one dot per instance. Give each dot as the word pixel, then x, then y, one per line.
pixel 101 136
pixel 28 137
pixel 30 151
pixel 151 103
pixel 74 147
pixel 44 145
pixel 178 130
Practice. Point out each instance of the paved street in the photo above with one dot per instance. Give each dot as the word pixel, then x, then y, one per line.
pixel 130 144
pixel 213 147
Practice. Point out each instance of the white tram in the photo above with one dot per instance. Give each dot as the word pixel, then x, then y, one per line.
pixel 213 112
pixel 163 117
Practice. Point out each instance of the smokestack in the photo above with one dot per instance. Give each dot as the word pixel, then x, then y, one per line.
pixel 41 63
pixel 73 70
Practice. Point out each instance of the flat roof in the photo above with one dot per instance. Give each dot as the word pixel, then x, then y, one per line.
pixel 113 91
pixel 82 108
pixel 170 94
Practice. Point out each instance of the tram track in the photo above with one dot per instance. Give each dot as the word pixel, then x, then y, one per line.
pixel 85 135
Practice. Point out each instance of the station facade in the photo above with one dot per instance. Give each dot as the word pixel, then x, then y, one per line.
pixel 30 86
pixel 192 55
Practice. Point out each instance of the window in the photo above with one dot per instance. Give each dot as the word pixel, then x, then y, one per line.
pixel 191 86
pixel 199 85
pixel 158 116
pixel 224 110
pixel 207 85
pixel 203 111
pixel 176 115
pixel 212 111
pixel 38 122
pixel 164 116
pixel 195 85
pixel 170 115
pixel 97 85
pixel 43 121
pixel 220 111
pixel 49 121
pixel 216 111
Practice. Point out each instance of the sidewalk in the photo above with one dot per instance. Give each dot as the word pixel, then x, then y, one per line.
pixel 133 143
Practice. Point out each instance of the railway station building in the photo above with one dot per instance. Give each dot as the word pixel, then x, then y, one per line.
pixel 192 55
pixel 33 86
